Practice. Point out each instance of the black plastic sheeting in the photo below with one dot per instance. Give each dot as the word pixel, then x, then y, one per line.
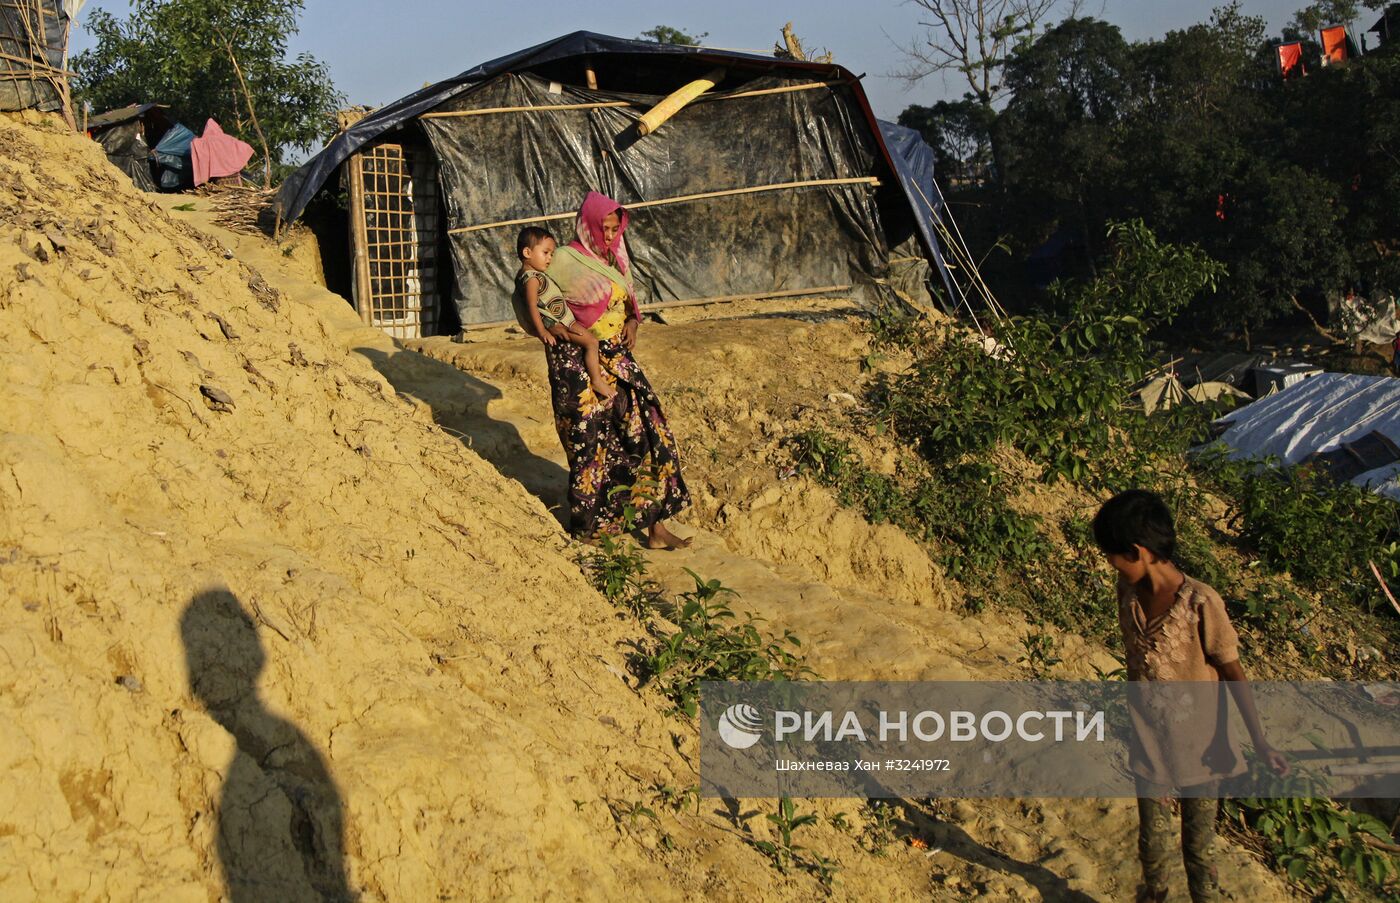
pixel 756 243
pixel 126 147
pixel 900 149
pixel 32 30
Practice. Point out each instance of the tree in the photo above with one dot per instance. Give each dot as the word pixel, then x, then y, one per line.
pixel 1311 18
pixel 959 133
pixel 220 59
pixel 972 38
pixel 1073 83
pixel 665 34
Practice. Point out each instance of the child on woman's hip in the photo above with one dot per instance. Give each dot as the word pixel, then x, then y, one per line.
pixel 544 303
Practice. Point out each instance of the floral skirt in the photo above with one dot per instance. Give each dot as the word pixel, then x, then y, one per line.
pixel 623 461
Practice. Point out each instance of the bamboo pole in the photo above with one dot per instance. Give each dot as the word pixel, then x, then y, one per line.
pixel 555 107
pixel 674 102
pixel 65 86
pixel 363 301
pixel 691 302
pixel 751 296
pixel 731 192
pixel 1365 769
pixel 543 108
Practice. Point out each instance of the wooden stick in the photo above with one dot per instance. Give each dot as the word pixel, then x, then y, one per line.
pixel 674 102
pixel 718 299
pixel 755 296
pixel 1369 768
pixel 67 91
pixel 552 107
pixel 1384 588
pixel 252 114
pixel 545 108
pixel 731 192
pixel 589 76
pixel 361 238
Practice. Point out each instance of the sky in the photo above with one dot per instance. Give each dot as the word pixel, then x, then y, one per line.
pixel 378 52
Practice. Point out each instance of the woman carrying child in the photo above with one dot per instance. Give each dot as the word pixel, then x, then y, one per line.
pixel 621 452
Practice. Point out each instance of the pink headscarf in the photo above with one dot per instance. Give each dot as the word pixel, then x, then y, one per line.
pixel 589 226
pixel 588 291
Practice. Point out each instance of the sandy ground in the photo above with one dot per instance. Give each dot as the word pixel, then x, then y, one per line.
pixel 288 609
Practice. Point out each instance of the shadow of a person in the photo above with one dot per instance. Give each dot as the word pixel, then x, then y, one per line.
pixel 459 402
pixel 281 833
pixel 957 842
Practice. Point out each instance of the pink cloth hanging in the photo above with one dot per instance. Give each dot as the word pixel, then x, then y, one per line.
pixel 216 154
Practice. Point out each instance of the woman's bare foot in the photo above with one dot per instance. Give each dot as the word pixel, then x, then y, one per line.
pixel 661 538
pixel 601 388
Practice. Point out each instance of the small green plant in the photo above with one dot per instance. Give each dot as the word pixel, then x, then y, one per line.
pixel 1038 654
pixel 618 570
pixel 840 822
pixel 786 821
pixel 1316 841
pixel 679 798
pixel 879 831
pixel 637 810
pixel 1113 674
pixel 713 643
pixel 1272 603
pixel 185 207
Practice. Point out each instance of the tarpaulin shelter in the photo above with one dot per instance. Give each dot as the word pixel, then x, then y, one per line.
pixel 34 53
pixel 1337 47
pixel 1344 423
pixel 174 169
pixel 779 181
pixel 127 135
pixel 1254 374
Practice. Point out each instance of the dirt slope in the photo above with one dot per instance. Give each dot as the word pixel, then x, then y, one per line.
pixel 268 627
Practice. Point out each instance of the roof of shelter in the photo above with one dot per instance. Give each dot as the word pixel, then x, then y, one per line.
pixel 1332 415
pixel 903 149
pixel 124 114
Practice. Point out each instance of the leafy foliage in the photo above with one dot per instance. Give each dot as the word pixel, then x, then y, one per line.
pixel 1316 841
pixel 1056 388
pixel 713 643
pixel 665 34
pixel 182 52
pixel 1292 186
pixel 1325 534
pixel 618 570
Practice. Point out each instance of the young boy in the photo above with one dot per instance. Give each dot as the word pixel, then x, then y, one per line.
pixel 543 304
pixel 1175 629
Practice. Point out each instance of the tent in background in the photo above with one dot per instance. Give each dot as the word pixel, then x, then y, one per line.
pixel 1345 423
pixel 779 181
pixel 174 170
pixel 128 134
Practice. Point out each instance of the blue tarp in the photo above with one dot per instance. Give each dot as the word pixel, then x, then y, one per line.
pixel 172 157
pixel 904 150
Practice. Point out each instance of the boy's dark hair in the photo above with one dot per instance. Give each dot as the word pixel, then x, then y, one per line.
pixel 529 237
pixel 1136 518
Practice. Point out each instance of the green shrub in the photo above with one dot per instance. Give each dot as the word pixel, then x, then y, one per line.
pixel 1301 522
pixel 713 643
